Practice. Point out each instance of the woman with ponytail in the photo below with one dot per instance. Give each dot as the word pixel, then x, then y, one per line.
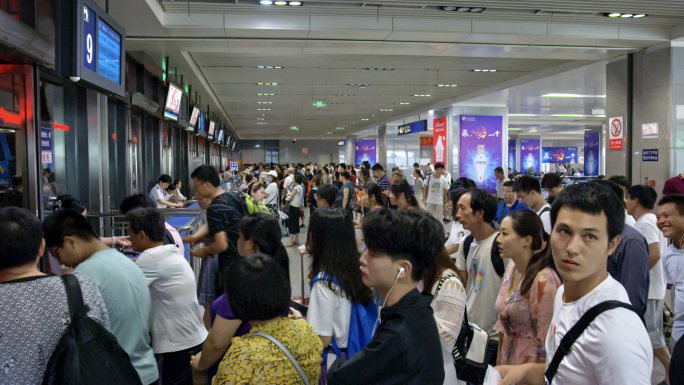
pixel 400 195
pixel 259 234
pixel 525 301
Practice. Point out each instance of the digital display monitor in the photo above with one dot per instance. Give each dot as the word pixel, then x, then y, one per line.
pixel 219 137
pixel 234 146
pixel 109 52
pixel 193 118
pixel 202 131
pixel 212 125
pixel 173 102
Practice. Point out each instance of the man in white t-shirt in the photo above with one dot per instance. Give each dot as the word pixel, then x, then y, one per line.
pixel 475 211
pixel 436 188
pixel 671 223
pixel 640 202
pixel 500 180
pixel 175 316
pixel 159 194
pixel 614 349
pixel 528 189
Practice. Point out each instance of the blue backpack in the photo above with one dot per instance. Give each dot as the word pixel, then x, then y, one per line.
pixel 361 323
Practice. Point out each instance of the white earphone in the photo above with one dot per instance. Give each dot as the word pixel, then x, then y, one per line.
pixel 401 270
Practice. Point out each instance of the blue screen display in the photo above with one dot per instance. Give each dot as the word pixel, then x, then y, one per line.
pixel 89 18
pixel 108 52
pixel 201 124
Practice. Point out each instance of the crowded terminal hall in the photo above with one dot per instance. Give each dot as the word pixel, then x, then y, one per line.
pixel 340 192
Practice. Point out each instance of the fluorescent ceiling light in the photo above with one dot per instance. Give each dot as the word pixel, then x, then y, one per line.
pixel 638 16
pixel 265 2
pixel 553 95
pixel 577 116
pixel 280 3
pixel 295 3
pixel 615 14
pixel 514 129
pixel 626 15
pixel 522 115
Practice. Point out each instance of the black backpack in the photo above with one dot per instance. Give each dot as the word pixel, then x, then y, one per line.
pixel 497 261
pixel 87 353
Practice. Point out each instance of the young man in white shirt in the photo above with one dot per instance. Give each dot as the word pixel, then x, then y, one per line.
pixel 614 349
pixel 475 210
pixel 436 188
pixel 159 194
pixel 640 202
pixel 671 223
pixel 529 193
pixel 176 316
pixel 500 180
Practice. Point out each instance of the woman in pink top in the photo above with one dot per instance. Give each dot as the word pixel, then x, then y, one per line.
pixel 525 301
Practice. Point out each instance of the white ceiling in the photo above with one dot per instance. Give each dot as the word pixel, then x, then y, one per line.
pixel 361 57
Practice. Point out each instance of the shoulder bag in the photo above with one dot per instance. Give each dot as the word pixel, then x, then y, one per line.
pixel 287 353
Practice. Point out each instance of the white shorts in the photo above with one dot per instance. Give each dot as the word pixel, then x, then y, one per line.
pixel 654 322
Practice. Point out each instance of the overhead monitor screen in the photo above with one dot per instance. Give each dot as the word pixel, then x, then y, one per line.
pixel 219 139
pixel 109 52
pixel 173 102
pixel 193 118
pixel 212 124
pixel 202 128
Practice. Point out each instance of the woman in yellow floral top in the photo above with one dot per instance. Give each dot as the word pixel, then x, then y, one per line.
pixel 525 301
pixel 258 292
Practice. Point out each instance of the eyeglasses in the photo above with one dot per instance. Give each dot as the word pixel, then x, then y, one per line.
pixel 197 185
pixel 522 197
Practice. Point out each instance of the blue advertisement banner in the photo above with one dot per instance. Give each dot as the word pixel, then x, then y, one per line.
pixel 591 154
pixel 365 150
pixel 108 52
pixel 530 155
pixel 46 146
pixel 89 19
pixel 481 149
pixel 411 128
pixel 559 154
pixel 512 148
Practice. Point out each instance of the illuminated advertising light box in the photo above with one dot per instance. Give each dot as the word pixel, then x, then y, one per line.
pixel 202 131
pixel 212 125
pixel 173 102
pixel 193 118
pixel 100 48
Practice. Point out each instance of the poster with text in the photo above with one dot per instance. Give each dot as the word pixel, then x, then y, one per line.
pixel 439 143
pixel 530 155
pixel 512 147
pixel 365 150
pixel 559 154
pixel 481 149
pixel 591 154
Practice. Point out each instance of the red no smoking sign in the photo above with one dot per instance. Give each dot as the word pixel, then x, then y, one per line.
pixel 616 132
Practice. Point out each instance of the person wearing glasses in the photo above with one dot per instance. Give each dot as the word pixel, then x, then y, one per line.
pixel 529 192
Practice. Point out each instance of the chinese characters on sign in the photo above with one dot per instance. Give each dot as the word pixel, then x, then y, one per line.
pixel 649 155
pixel 481 146
pixel 411 128
pixel 616 129
pixel 46 145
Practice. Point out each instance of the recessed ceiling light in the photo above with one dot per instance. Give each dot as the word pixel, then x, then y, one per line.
pixel 422 95
pixel 626 15
pixel 265 2
pixel 280 3
pixel 462 9
pixel 615 14
pixel 522 115
pixel 295 3
pixel 552 95
pixel 483 70
pixel 365 119
pixel 448 8
pixel 447 85
pixel 639 16
pixel 477 9
pixel 404 103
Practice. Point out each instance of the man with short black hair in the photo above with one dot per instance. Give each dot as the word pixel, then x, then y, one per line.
pixel 500 180
pixel 640 202
pixel 401 244
pixel 529 192
pixel 137 201
pixel 347 192
pixel 624 185
pixel 553 184
pixel 614 348
pixel 435 193
pixel 671 223
pixel 159 194
pixel 381 178
pixel 176 316
pixel 70 237
pixel 509 203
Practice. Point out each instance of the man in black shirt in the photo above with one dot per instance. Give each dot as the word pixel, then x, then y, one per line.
pixel 406 348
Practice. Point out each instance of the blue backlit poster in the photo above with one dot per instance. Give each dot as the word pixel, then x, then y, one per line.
pixel 365 150
pixel 46 146
pixel 89 20
pixel 559 154
pixel 591 154
pixel 108 53
pixel 481 149
pixel 512 147
pixel 530 155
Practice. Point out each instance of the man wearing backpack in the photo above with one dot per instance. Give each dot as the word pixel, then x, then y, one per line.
pixel 529 193
pixel 70 237
pixel 406 345
pixel 610 345
pixel 476 210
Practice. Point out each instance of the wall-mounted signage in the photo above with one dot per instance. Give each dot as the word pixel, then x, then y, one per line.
pixel 559 155
pixel 100 48
pixel 649 130
pixel 481 145
pixel 410 128
pixel 649 155
pixel 173 102
pixel 426 141
pixel 617 132
pixel 530 153
pixel 341 143
pixel 439 143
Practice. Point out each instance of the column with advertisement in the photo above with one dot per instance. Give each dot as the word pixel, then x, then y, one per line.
pixel 439 140
pixel 481 148
pixel 512 148
pixel 365 150
pixel 530 156
pixel 591 154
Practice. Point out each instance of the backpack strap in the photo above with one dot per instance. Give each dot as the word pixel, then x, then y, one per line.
pixel 544 210
pixel 466 245
pixel 576 331
pixel 77 308
pixel 287 353
pixel 497 261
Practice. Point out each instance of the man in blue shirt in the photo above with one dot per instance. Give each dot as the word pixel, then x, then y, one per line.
pixel 509 203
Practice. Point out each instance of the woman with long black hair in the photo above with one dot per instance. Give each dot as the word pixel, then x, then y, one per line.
pixel 528 290
pixel 400 195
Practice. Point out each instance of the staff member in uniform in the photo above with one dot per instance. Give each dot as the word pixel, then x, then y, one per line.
pixel 159 194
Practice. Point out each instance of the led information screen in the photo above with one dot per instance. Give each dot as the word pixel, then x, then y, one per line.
pixel 108 52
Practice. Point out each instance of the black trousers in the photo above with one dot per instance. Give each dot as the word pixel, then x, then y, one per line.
pixel 174 367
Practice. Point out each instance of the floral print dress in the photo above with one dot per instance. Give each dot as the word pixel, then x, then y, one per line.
pixel 524 319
